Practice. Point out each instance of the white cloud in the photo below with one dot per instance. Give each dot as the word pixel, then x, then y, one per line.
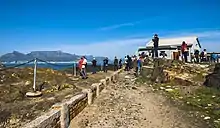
pixel 111 48
pixel 116 26
pixel 118 48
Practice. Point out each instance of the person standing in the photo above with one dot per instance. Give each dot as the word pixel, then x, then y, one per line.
pixel 184 51
pixel 156 44
pixel 115 64
pixel 129 62
pixel 105 64
pixel 80 66
pixel 84 65
pixel 126 63
pixel 139 65
pixel 120 63
pixel 94 64
pixel 135 65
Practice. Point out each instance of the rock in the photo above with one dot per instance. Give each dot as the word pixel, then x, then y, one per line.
pixel 207 118
pixel 209 105
pixel 27 83
pixel 169 90
pixel 127 77
pixel 51 98
pixel 180 97
pixel 134 88
pixel 213 79
pixel 162 88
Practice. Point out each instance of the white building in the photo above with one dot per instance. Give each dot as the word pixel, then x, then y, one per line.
pixel 172 47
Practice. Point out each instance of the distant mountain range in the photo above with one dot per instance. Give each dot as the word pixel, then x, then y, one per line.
pixel 55 56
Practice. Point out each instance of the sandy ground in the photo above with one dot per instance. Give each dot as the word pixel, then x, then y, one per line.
pixel 129 105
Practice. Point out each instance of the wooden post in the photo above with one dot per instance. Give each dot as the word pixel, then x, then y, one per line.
pixel 64 118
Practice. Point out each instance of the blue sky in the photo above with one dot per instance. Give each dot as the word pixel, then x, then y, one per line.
pixel 107 28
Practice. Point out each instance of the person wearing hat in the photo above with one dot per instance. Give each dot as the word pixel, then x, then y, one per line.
pixel 94 64
pixel 156 44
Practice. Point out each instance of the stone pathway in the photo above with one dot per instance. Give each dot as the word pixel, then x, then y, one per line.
pixel 129 105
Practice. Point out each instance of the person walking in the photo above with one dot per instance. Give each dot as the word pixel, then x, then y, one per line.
pixel 156 44
pixel 184 51
pixel 105 64
pixel 94 64
pixel 115 64
pixel 80 66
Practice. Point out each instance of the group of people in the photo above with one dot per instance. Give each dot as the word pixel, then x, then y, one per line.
pixel 204 57
pixel 134 62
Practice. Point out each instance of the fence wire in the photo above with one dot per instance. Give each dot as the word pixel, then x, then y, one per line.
pixel 15 66
pixel 70 65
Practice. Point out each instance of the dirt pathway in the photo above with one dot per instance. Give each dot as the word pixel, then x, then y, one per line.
pixel 129 105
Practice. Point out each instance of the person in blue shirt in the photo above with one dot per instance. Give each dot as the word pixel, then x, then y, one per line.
pixel 139 64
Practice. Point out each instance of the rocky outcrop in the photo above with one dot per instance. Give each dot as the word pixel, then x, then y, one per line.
pixel 158 74
pixel 213 79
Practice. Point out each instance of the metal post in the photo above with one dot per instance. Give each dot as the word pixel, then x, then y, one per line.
pixel 74 66
pixel 35 72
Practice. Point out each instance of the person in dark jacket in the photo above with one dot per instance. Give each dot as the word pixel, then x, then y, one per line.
pixel 94 64
pixel 120 63
pixel 196 54
pixel 105 64
pixel 115 64
pixel 129 62
pixel 156 44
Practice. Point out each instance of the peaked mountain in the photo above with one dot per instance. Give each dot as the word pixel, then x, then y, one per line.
pixel 56 56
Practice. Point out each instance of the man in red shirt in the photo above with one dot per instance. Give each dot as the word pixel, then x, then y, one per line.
pixel 184 51
pixel 82 73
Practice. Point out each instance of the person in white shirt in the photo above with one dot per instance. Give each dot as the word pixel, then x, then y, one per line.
pixel 84 65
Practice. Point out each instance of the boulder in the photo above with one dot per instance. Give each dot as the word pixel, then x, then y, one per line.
pixel 158 75
pixel 213 79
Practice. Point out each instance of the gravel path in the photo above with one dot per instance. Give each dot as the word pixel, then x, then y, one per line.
pixel 128 105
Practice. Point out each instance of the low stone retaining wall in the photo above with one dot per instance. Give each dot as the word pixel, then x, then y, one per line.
pixel 60 114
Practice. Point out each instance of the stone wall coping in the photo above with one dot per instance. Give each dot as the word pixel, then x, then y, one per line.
pixel 74 100
pixel 42 121
pixel 55 111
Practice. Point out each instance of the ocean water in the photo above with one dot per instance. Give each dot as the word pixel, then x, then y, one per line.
pixel 54 65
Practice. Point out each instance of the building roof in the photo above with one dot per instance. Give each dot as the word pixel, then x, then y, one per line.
pixel 167 47
pixel 176 41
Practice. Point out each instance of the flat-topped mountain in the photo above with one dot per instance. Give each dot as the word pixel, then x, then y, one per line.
pixel 56 56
